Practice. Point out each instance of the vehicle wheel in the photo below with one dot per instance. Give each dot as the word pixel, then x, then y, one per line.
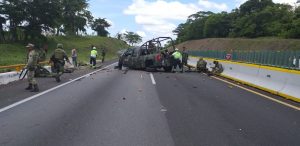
pixel 120 66
pixel 168 68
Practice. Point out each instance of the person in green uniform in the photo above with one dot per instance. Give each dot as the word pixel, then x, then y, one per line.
pixel 201 65
pixel 58 59
pixel 185 57
pixel 217 69
pixel 31 65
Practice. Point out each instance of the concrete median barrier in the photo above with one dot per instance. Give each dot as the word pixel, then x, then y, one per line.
pixel 292 87
pixel 8 77
pixel 278 81
pixel 273 81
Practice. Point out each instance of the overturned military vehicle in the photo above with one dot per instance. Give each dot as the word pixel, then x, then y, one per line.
pixel 153 54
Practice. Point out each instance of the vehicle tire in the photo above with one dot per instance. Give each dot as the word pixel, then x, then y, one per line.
pixel 168 68
pixel 120 66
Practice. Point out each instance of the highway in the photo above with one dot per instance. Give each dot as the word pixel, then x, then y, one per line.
pixel 136 108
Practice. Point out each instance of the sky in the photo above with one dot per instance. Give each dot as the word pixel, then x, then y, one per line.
pixel 154 18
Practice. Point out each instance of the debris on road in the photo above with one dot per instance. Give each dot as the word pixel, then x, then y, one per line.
pixel 163 109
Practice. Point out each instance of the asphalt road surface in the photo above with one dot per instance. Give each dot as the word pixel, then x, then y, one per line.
pixel 136 108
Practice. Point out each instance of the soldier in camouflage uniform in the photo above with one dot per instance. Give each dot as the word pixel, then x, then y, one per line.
pixel 217 69
pixel 31 65
pixel 58 59
pixel 201 65
pixel 185 57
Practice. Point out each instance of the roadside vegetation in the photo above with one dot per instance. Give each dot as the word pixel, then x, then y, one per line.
pixel 45 24
pixel 15 53
pixel 253 19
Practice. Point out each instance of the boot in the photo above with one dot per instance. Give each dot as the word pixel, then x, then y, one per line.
pixel 29 87
pixel 35 88
pixel 57 78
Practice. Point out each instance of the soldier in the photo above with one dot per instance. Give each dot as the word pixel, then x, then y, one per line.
pixel 217 69
pixel 103 53
pixel 185 57
pixel 177 58
pixel 31 65
pixel 93 56
pixel 201 65
pixel 58 60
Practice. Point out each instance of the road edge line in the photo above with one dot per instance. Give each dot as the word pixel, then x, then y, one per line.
pixel 51 89
pixel 260 94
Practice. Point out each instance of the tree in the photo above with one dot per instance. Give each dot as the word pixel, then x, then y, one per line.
pixel 13 10
pixel 132 38
pixel 2 21
pixel 217 25
pixel 75 16
pixel 99 25
pixel 40 16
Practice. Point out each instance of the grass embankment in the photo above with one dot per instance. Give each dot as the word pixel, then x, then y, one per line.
pixel 242 44
pixel 16 53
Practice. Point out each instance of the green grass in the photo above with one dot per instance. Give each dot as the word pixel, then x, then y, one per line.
pixel 12 54
pixel 16 53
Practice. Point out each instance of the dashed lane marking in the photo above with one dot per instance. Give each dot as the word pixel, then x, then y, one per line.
pixel 152 79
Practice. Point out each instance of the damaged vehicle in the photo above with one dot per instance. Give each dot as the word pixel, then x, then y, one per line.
pixel 152 55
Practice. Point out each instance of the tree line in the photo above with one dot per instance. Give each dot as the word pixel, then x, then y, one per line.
pixel 27 20
pixel 254 18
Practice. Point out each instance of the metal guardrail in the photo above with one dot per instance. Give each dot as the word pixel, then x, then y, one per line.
pixel 284 59
pixel 18 67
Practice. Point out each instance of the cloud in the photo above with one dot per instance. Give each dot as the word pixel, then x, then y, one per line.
pixel 159 18
pixel 141 33
pixel 112 24
pixel 161 9
pixel 213 5
pixel 239 2
pixel 291 2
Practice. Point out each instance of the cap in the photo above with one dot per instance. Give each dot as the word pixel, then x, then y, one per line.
pixel 30 45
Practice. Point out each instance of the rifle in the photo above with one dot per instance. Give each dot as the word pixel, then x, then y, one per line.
pixel 23 73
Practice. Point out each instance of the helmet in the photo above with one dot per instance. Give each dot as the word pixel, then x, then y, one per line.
pixel 176 49
pixel 60 46
pixel 29 45
pixel 94 48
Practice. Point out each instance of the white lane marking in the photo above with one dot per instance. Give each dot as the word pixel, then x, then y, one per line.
pixel 49 90
pixel 152 79
pixel 141 76
pixel 260 94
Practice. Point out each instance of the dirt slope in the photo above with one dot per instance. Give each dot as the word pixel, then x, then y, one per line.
pixel 242 44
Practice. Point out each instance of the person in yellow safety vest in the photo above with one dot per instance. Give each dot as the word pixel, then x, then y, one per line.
pixel 177 61
pixel 93 57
